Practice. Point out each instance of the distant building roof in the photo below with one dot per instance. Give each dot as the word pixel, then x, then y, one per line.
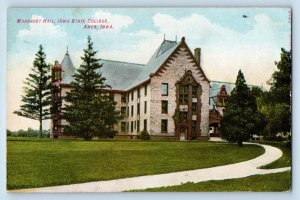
pixel 215 87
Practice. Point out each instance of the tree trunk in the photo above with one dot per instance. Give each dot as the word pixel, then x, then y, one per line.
pixel 41 109
pixel 240 143
pixel 41 129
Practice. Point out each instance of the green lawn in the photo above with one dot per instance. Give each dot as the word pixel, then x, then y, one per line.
pixel 257 183
pixel 284 161
pixel 38 163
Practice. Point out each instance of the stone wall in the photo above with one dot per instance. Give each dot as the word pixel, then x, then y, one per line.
pixel 135 117
pixel 173 70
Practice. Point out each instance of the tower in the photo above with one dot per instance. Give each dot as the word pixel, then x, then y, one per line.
pixel 56 74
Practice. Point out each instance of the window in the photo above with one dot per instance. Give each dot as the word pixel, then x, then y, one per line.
pixel 123 127
pixel 132 95
pixel 183 94
pixel 127 127
pixel 194 108
pixel 132 110
pixel 194 91
pixel 183 115
pixel 131 126
pixel 221 101
pixel 194 126
pixel 164 107
pixel 138 125
pixel 138 93
pixel 123 111
pixel 145 124
pixel 164 89
pixel 145 91
pixel 128 97
pixel 138 108
pixel 123 98
pixel 128 111
pixel 145 106
pixel 164 125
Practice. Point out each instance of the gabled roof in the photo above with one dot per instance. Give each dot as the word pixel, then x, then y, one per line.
pixel 120 75
pixel 124 75
pixel 158 58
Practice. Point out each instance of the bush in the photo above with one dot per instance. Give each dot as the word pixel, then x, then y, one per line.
pixel 145 135
pixel 274 138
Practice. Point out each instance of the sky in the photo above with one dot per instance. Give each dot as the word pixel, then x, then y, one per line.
pixel 228 41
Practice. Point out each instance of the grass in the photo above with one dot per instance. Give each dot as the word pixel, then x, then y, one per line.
pixel 39 163
pixel 257 183
pixel 284 161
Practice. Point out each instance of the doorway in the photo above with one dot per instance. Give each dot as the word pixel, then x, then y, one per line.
pixel 183 133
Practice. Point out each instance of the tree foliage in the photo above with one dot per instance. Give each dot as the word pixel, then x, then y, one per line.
pixel 89 110
pixel 241 118
pixel 279 112
pixel 27 133
pixel 37 91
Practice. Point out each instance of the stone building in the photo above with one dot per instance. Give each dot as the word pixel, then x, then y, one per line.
pixel 148 96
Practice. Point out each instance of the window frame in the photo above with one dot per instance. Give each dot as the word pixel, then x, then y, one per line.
pixel 164 107
pixel 164 124
pixel 132 110
pixel 138 108
pixel 194 126
pixel 194 111
pixel 145 124
pixel 167 89
pixel 145 90
pixel 123 114
pixel 123 129
pixel 183 94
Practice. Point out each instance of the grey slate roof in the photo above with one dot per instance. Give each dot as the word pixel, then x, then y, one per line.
pixel 124 75
pixel 158 58
pixel 68 69
pixel 120 75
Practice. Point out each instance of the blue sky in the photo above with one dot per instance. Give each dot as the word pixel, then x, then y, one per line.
pixel 228 41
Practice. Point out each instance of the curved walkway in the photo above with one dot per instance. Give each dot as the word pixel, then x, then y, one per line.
pixel 237 170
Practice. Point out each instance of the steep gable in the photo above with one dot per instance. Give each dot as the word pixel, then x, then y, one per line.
pixel 174 54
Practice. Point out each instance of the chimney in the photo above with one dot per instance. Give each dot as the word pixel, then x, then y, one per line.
pixel 197 54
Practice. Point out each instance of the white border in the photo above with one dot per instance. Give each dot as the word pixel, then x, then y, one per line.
pixel 4 4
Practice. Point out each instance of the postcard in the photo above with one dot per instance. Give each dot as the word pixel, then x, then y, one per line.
pixel 149 99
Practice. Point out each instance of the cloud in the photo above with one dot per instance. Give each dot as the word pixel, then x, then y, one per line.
pixel 224 50
pixel 118 21
pixel 40 30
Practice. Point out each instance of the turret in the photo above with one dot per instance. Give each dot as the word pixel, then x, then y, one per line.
pixel 56 72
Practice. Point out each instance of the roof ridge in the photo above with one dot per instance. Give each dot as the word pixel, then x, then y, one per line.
pixel 159 53
pixel 122 62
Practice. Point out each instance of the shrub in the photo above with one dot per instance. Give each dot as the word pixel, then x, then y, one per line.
pixel 145 135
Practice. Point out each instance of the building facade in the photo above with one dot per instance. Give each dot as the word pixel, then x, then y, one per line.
pixel 168 97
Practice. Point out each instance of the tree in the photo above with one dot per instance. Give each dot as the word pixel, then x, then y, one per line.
pixel 241 118
pixel 279 114
pixel 89 110
pixel 37 98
